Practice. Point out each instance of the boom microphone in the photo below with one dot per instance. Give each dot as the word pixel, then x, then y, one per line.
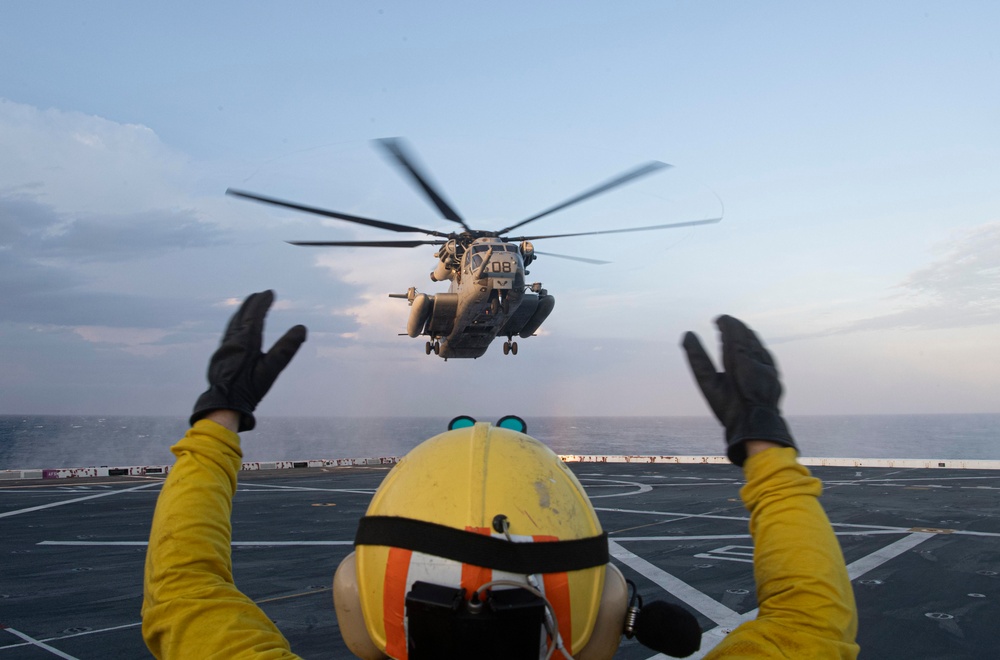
pixel 668 629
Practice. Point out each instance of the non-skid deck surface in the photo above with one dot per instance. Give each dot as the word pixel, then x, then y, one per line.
pixel 922 547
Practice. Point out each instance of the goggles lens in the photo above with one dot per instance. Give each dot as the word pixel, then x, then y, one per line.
pixel 513 422
pixel 461 422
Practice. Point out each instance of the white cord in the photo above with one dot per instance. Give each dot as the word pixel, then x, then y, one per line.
pixel 549 611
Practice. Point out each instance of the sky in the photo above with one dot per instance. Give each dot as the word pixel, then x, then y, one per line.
pixel 853 149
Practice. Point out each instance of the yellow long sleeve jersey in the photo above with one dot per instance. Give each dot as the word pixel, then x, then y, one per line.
pixel 806 602
pixel 192 608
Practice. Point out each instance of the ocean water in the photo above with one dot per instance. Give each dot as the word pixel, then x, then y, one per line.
pixel 28 442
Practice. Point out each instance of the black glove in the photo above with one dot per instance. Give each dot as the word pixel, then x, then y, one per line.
pixel 239 375
pixel 745 396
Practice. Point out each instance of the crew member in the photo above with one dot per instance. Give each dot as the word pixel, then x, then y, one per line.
pixel 192 608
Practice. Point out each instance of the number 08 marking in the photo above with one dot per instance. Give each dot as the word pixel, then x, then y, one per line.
pixel 501 266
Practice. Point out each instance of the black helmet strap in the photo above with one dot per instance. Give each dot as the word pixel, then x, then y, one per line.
pixel 481 550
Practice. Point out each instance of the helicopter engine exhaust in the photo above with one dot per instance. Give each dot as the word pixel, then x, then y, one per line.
pixel 441 273
pixel 527 252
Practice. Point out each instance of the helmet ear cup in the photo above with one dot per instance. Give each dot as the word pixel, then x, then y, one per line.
pixel 350 617
pixel 610 621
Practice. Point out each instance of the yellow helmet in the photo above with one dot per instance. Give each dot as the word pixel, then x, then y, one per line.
pixel 463 511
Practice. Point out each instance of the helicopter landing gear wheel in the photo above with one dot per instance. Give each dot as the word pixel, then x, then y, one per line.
pixel 513 348
pixel 506 348
pixel 428 348
pixel 437 348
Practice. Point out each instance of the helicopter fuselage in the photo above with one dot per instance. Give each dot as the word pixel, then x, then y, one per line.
pixel 487 298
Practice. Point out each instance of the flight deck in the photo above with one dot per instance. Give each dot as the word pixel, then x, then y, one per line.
pixel 922 547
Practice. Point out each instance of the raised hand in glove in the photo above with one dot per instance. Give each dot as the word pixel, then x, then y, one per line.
pixel 239 375
pixel 745 396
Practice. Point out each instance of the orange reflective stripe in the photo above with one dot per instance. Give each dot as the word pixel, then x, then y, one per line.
pixel 394 602
pixel 557 593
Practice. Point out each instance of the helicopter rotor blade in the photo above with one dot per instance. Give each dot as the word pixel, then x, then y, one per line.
pixel 394 147
pixel 619 180
pixel 689 223
pixel 380 224
pixel 596 262
pixel 392 244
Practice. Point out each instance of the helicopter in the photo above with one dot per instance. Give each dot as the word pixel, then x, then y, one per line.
pixel 488 296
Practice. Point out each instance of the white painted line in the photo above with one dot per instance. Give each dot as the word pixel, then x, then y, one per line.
pixel 661 539
pixel 677 588
pixel 79 634
pixel 42 645
pixel 862 529
pixel 705 555
pixel 961 532
pixel 874 560
pixel 79 499
pixel 292 543
pixel 887 528
pixel 94 632
pixel 640 488
pixel 711 638
pixel 647 512
pixel 95 543
pixel 234 543
pixel 249 487
pixel 878 481
pixel 712 537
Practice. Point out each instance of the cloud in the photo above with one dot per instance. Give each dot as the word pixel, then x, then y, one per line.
pixel 86 204
pixel 965 281
pixel 37 232
pixel 958 289
pixel 103 234
pixel 85 164
pixel 48 258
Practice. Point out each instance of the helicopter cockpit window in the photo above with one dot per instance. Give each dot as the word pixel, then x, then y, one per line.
pixel 478 254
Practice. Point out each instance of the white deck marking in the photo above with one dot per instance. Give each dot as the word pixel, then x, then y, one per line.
pixel 880 481
pixel 858 568
pixel 712 537
pixel 79 499
pixel 679 515
pixel 249 488
pixel 640 488
pixel 743 553
pixel 78 634
pixel 42 645
pixel 862 529
pixel 708 606
pixel 234 543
